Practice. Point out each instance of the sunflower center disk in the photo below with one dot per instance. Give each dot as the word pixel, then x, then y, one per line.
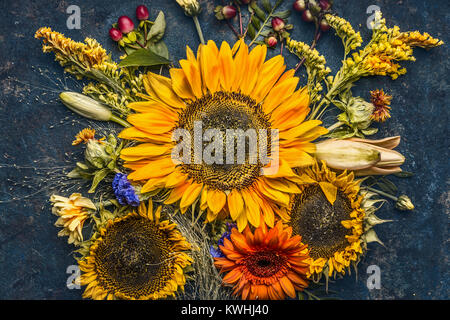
pixel 264 264
pixel 215 121
pixel 319 222
pixel 132 258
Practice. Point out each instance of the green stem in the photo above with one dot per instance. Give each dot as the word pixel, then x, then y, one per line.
pixel 120 121
pixel 335 126
pixel 382 193
pixel 199 29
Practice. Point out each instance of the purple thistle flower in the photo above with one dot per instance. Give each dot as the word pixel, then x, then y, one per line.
pixel 216 252
pixel 124 191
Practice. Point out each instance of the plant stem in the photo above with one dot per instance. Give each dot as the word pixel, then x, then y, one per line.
pixel 382 193
pixel 240 20
pixel 120 121
pixel 335 126
pixel 199 29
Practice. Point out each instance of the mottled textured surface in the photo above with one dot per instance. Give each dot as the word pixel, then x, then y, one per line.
pixel 33 260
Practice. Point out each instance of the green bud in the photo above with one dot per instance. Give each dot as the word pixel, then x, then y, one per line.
pixel 359 112
pixel 85 106
pixel 404 203
pixel 96 154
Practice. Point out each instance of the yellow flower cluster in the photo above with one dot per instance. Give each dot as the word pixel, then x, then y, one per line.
pixel 350 38
pixel 315 64
pixel 77 57
pixel 387 47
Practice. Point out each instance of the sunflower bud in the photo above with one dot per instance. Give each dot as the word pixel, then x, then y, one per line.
pixel 85 106
pixel 191 7
pixel 404 203
pixel 365 157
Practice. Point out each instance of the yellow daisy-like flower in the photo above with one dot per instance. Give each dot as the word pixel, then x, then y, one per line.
pixel 136 257
pixel 226 88
pixel 329 216
pixel 85 135
pixel 72 212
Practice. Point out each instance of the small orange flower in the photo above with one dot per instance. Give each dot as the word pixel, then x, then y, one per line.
pixel 84 136
pixel 268 264
pixel 381 101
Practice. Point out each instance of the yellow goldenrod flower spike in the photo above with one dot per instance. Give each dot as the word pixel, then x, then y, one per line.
pixel 76 57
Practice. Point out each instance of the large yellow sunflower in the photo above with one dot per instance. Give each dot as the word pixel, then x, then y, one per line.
pixel 329 215
pixel 136 257
pixel 230 88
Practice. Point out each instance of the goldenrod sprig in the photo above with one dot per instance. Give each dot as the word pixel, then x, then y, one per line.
pixel 315 66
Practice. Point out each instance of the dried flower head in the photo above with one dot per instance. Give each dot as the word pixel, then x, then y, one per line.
pixel 72 212
pixel 381 101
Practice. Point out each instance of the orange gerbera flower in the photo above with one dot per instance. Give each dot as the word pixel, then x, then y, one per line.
pixel 224 89
pixel 268 264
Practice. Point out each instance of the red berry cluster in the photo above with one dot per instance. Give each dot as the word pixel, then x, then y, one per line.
pixel 313 11
pixel 126 25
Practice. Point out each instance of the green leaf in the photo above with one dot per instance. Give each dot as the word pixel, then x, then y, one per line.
pixel 266 5
pixel 282 14
pixel 98 177
pixel 387 186
pixel 160 49
pixel 143 58
pixel 256 23
pixel 404 174
pixel 158 28
pixel 251 32
pixel 258 11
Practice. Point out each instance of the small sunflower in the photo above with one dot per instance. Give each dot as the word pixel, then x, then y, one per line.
pixel 381 101
pixel 329 216
pixel 230 88
pixel 136 257
pixel 267 264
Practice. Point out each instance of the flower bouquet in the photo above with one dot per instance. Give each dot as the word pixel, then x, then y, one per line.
pixel 220 179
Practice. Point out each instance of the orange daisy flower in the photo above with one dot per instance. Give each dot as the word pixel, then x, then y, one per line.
pixel 268 264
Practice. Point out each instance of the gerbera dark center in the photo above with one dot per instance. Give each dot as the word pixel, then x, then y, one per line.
pixel 319 223
pixel 229 113
pixel 133 258
pixel 265 264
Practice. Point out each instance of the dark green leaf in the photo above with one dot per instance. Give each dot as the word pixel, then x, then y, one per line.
pixel 256 23
pixel 160 49
pixel 387 186
pixel 404 174
pixel 99 176
pixel 258 11
pixel 143 58
pixel 282 14
pixel 251 32
pixel 266 5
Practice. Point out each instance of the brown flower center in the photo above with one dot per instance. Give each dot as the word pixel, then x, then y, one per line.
pixel 230 114
pixel 133 258
pixel 319 223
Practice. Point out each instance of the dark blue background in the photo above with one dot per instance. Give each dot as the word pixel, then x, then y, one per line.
pixel 33 260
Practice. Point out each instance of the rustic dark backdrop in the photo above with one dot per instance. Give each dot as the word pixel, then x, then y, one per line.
pixel 36 132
